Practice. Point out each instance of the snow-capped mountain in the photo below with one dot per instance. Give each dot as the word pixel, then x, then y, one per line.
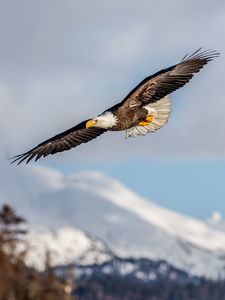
pixel 73 208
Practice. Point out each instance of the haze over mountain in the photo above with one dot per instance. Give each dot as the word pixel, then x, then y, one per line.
pixel 92 213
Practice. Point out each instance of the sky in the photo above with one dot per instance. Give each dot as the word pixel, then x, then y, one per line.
pixel 65 61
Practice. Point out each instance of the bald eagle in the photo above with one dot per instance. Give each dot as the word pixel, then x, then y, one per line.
pixel 145 109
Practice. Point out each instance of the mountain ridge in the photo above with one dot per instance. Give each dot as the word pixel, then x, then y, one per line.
pixel 103 208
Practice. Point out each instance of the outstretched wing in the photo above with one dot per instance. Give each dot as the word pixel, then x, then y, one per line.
pixel 63 141
pixel 161 84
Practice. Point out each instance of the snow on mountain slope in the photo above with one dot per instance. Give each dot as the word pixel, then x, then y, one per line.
pixel 128 224
pixel 195 231
pixel 66 245
pixel 216 221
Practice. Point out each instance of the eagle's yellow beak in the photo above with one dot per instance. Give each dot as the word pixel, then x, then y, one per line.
pixel 90 123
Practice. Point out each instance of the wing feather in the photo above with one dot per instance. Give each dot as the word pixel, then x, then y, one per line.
pixel 164 82
pixel 63 141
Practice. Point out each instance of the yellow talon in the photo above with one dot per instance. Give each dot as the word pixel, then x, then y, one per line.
pixel 143 123
pixel 149 118
pixel 147 121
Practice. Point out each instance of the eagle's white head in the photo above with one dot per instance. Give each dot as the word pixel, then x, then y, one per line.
pixel 105 120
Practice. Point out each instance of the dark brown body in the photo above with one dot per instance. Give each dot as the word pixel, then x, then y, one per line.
pixel 128 116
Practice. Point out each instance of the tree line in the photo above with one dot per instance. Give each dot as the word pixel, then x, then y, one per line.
pixel 17 280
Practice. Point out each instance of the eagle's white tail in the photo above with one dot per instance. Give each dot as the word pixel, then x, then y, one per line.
pixel 160 110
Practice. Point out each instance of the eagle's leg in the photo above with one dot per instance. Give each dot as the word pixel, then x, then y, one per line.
pixel 147 121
